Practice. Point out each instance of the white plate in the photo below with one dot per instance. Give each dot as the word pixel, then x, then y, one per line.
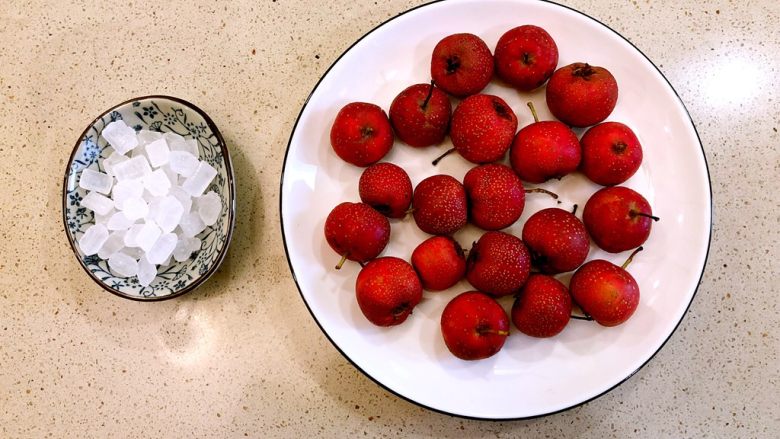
pixel 528 377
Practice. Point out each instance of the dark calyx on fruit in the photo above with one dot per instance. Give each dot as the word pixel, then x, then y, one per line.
pixel 453 64
pixel 583 71
pixel 502 111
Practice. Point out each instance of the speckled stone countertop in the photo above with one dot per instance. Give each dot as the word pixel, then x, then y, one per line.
pixel 241 356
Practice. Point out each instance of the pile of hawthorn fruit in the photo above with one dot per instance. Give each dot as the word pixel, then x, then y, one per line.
pixel 492 197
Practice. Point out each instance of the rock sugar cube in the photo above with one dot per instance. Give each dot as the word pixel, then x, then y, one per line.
pixel 183 163
pixel 92 239
pixel 146 137
pixel 157 152
pixel 146 272
pixel 199 180
pixel 113 244
pixel 209 207
pixel 96 181
pixel 169 214
pixel 162 249
pixel 135 209
pixel 125 190
pixel 121 137
pixel 157 183
pixel 191 224
pixel 132 169
pixel 147 236
pixel 109 162
pixel 119 221
pixel 97 203
pixel 123 265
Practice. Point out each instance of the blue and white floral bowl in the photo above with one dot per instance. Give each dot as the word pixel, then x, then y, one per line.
pixel 164 114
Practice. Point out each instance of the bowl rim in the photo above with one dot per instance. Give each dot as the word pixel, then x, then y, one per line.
pixel 231 200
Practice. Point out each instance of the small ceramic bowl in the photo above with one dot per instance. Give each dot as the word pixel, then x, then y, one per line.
pixel 164 114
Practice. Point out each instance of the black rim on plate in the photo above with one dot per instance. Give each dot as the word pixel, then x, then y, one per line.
pixel 231 201
pixel 295 279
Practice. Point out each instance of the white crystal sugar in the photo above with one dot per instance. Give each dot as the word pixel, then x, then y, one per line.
pixel 119 221
pixel 146 272
pixel 135 208
pixel 183 163
pixel 146 137
pixel 131 235
pixel 97 203
pixel 113 244
pixel 157 152
pixel 120 136
pixel 113 159
pixel 162 249
pixel 93 239
pixel 182 251
pixel 96 181
pixel 157 183
pixel 183 197
pixel 199 180
pixel 132 169
pixel 149 204
pixel 125 190
pixel 169 214
pixel 209 207
pixel 147 236
pixel 191 224
pixel 123 264
pixel 192 147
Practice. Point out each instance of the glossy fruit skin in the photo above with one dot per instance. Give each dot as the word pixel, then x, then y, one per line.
pixel 498 264
pixel 439 262
pixel 611 153
pixel 465 322
pixel 483 127
pixel 581 95
pixel 608 219
pixel 543 307
pixel 526 57
pixel 557 240
pixel 387 188
pixel 606 292
pixel 361 134
pixel 496 196
pixel 387 290
pixel 440 205
pixel 357 231
pixel 420 126
pixel 545 150
pixel 461 64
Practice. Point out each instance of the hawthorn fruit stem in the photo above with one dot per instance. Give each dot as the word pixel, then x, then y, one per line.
pixel 586 317
pixel 574 210
pixel 631 257
pixel 646 215
pixel 533 111
pixel 541 191
pixel 438 159
pixel 428 98
pixel 484 331
pixel 341 262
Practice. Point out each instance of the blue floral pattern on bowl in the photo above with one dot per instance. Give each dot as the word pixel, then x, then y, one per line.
pixel 163 114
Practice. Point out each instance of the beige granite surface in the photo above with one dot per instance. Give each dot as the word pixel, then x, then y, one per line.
pixel 241 355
